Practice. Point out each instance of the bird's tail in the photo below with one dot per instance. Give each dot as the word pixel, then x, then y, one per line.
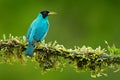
pixel 30 49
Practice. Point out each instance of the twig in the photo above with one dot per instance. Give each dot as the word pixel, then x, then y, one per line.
pixel 52 55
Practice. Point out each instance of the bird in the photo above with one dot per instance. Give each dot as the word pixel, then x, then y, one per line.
pixel 37 31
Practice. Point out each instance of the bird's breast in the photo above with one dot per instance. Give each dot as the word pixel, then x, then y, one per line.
pixel 41 30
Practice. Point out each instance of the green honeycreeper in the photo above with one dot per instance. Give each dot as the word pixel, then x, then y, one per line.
pixel 37 31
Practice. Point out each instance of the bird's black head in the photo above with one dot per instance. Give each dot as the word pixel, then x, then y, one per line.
pixel 44 13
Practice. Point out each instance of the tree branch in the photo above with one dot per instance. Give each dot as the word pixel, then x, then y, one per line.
pixel 52 55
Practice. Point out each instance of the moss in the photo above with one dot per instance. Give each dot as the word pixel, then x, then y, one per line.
pixel 54 56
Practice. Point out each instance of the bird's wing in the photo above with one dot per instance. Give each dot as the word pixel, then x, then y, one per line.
pixel 31 31
pixel 28 33
pixel 31 37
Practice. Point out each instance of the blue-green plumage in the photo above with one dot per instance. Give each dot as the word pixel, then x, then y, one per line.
pixel 37 31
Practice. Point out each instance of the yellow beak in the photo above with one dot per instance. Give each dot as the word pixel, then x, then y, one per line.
pixel 51 13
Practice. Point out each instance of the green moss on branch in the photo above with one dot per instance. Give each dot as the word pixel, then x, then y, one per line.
pixel 52 55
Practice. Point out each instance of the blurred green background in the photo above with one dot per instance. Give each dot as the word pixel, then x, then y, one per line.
pixel 78 23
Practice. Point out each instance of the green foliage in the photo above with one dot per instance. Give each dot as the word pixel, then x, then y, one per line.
pixel 54 56
pixel 113 50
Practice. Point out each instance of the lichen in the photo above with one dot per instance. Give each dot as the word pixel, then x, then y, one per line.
pixel 54 56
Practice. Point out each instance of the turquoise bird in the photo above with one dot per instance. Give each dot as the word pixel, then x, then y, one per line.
pixel 37 31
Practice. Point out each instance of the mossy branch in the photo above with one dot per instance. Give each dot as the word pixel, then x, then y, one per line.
pixel 52 55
